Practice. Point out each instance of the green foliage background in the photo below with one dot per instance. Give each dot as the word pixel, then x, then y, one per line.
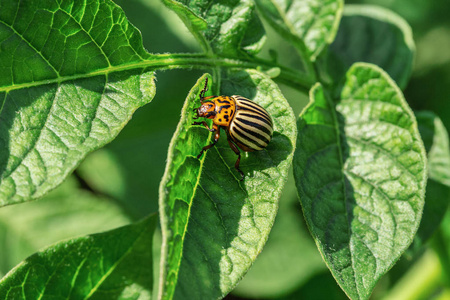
pixel 123 177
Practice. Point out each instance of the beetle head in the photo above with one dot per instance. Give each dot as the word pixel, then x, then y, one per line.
pixel 207 110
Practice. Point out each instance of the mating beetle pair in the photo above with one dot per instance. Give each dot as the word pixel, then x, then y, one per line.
pixel 248 125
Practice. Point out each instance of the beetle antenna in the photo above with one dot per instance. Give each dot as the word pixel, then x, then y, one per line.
pixel 205 89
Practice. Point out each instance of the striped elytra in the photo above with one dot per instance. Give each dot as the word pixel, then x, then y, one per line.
pixel 247 124
pixel 251 128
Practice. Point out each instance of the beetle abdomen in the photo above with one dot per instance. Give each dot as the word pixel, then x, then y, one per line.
pixel 252 126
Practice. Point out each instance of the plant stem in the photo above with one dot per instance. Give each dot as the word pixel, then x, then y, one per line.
pixel 296 79
pixel 287 76
pixel 302 52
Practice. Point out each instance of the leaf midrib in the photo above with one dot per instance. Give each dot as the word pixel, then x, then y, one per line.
pixel 183 237
pixel 346 201
pixel 116 263
pixel 61 79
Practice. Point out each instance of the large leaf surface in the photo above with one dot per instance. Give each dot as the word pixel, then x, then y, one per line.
pixel 228 27
pixel 289 258
pixel 375 35
pixel 311 25
pixel 70 82
pixel 214 225
pixel 64 213
pixel 435 138
pixel 112 265
pixel 360 172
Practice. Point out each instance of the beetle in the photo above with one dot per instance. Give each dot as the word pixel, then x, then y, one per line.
pixel 247 125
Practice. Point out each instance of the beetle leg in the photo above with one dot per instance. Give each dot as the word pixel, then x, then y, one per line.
pixel 206 125
pixel 236 150
pixel 216 138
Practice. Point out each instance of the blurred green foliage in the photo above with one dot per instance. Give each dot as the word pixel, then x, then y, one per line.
pixel 135 161
pixel 128 170
pixel 428 88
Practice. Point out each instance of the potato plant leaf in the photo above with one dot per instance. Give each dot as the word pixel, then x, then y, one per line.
pixel 65 212
pixel 360 169
pixel 308 24
pixel 435 138
pixel 214 225
pixel 115 264
pixel 289 259
pixel 230 28
pixel 70 81
pixel 375 35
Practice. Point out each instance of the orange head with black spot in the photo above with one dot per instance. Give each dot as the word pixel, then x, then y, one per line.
pixel 219 108
pixel 206 110
pixel 247 124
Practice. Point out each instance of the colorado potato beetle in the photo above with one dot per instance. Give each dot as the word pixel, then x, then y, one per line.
pixel 247 124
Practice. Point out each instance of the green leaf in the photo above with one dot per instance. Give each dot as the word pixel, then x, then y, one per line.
pixel 360 169
pixel 64 213
pixel 308 24
pixel 289 258
pixel 112 265
pixel 435 138
pixel 214 225
pixel 229 27
pixel 375 35
pixel 130 168
pixel 70 82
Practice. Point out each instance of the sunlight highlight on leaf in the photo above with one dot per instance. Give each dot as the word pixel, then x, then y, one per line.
pixel 360 169
pixel 68 87
pixel 86 267
pixel 214 225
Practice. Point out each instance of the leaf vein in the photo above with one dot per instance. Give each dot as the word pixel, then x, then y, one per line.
pixel 35 141
pixel 385 152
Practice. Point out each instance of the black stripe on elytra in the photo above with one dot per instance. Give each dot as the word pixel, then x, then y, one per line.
pixel 253 133
pixel 263 117
pixel 255 125
pixel 252 105
pixel 246 119
pixel 243 111
pixel 238 132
